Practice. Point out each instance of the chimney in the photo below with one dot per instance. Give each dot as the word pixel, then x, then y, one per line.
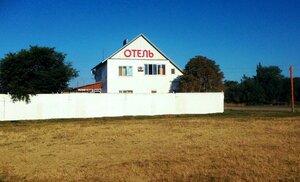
pixel 125 42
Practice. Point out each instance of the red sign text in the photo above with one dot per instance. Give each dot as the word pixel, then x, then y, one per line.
pixel 138 53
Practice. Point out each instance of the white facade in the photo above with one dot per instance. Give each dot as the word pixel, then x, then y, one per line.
pixel 138 67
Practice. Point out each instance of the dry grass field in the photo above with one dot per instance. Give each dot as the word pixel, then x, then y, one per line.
pixel 234 146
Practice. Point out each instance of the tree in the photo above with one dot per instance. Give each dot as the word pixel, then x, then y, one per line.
pixel 285 96
pixel 232 91
pixel 34 71
pixel 188 83
pixel 268 86
pixel 285 91
pixel 251 92
pixel 201 75
pixel 271 80
pixel 297 89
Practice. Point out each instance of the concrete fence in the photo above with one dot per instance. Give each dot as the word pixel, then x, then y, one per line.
pixel 78 105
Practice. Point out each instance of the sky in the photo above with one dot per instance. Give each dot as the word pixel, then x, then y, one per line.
pixel 236 34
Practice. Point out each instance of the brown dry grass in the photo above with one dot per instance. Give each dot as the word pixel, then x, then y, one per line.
pixel 234 146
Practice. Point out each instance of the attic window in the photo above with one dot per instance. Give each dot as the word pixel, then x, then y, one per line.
pixel 172 71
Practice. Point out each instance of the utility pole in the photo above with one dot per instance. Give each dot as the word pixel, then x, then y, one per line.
pixel 292 89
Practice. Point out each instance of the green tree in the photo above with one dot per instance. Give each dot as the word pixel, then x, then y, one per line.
pixel 271 80
pixel 232 91
pixel 285 95
pixel 34 71
pixel 251 92
pixel 201 75
pixel 188 83
pixel 268 86
pixel 285 90
pixel 297 89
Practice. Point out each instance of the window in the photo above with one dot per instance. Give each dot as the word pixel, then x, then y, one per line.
pixel 120 70
pixel 125 91
pixel 129 70
pixel 172 71
pixel 159 69
pixel 153 91
pixel 155 69
pixel 125 70
pixel 150 69
pixel 146 69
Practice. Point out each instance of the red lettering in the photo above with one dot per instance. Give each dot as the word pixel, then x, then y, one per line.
pixel 151 54
pixel 145 53
pixel 127 53
pixel 138 53
pixel 134 51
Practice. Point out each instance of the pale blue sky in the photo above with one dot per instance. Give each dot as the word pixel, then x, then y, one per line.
pixel 236 34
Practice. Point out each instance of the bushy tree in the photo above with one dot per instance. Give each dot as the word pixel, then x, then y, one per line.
pixel 34 71
pixel 268 86
pixel 201 75
pixel 232 92
pixel 285 90
pixel 251 92
pixel 271 80
pixel 297 89
pixel 188 83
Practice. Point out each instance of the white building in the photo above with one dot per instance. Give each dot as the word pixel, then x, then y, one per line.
pixel 137 67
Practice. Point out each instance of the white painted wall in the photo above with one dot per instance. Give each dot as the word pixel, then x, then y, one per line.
pixel 139 82
pixel 76 105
